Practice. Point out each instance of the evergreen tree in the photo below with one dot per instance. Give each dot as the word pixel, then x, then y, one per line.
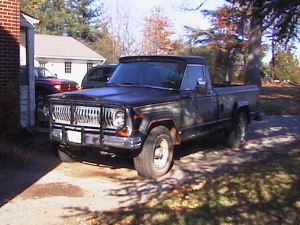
pixel 83 19
pixel 260 15
pixel 283 15
pixel 76 18
pixel 287 67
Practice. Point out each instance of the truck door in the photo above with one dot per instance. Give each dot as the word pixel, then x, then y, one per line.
pixel 205 106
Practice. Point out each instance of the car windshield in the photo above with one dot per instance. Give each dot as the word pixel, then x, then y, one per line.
pixel 42 72
pixel 100 74
pixel 149 73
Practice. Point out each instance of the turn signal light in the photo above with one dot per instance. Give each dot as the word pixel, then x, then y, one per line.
pixel 124 133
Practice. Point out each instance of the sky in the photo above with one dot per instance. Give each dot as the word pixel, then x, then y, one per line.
pixel 178 16
pixel 174 10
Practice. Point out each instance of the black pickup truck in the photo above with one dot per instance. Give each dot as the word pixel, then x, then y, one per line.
pixel 150 104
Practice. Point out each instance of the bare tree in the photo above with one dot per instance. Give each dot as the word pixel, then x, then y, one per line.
pixel 123 27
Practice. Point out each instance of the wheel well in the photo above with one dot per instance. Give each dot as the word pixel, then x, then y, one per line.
pixel 244 109
pixel 171 127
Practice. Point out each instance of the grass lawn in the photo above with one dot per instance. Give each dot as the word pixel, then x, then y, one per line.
pixel 265 192
pixel 280 99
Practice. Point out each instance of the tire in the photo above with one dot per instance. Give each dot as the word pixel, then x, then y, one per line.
pixel 237 136
pixel 156 156
pixel 38 96
pixel 54 148
pixel 67 154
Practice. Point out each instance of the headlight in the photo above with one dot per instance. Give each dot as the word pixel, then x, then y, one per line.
pixel 42 110
pixel 57 86
pixel 119 119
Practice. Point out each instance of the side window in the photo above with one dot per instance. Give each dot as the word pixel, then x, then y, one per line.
pixel 191 76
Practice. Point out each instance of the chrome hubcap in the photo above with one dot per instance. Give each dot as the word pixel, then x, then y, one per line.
pixel 161 154
pixel 241 130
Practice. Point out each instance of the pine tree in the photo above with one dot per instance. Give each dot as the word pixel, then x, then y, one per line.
pixel 76 18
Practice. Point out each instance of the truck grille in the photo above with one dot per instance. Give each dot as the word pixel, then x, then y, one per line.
pixel 62 114
pixel 88 116
pixel 68 87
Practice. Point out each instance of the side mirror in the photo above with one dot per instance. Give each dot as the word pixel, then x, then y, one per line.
pixel 202 87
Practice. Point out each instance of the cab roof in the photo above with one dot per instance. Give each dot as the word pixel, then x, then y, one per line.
pixel 183 58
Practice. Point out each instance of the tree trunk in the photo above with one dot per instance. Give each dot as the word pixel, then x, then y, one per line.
pixel 254 52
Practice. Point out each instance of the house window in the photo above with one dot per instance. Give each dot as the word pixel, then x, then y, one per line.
pixel 68 67
pixel 42 64
pixel 89 66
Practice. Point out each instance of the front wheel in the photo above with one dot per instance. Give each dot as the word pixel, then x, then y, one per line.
pixel 236 137
pixel 156 156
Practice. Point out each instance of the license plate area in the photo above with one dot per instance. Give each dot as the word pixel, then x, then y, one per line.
pixel 74 136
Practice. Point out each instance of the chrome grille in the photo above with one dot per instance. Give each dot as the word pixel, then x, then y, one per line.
pixel 62 114
pixel 108 117
pixel 87 116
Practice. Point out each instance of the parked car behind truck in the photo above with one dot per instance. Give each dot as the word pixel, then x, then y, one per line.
pixel 150 104
pixel 47 83
pixel 98 76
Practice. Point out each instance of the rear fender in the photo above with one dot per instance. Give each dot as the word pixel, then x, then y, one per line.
pixel 241 106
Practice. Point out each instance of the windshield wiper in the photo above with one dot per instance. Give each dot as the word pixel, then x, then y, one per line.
pixel 132 84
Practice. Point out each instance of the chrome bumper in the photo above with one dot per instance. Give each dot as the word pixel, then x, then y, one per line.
pixel 122 142
pixel 93 140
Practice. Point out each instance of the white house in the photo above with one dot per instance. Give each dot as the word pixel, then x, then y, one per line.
pixel 65 56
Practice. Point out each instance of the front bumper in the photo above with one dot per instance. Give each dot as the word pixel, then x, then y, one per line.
pixel 82 138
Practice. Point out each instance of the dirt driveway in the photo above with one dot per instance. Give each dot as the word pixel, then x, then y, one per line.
pixel 41 190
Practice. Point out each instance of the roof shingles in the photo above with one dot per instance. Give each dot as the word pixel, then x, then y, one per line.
pixel 63 47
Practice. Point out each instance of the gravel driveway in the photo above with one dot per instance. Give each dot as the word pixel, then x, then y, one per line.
pixel 40 190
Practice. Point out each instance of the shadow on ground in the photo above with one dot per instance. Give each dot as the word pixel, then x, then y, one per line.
pixel 198 162
pixel 20 172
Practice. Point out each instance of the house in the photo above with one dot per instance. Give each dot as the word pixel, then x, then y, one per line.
pixel 65 56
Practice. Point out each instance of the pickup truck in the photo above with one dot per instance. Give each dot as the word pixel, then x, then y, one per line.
pixel 46 83
pixel 150 104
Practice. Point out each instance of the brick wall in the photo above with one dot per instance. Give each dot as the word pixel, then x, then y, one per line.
pixel 10 61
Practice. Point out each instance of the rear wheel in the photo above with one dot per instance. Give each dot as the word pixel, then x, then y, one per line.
pixel 156 156
pixel 236 137
pixel 68 154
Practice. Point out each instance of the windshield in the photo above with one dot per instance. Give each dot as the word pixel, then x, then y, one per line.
pixel 100 74
pixel 42 72
pixel 149 73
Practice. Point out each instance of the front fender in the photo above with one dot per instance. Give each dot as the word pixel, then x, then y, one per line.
pixel 156 117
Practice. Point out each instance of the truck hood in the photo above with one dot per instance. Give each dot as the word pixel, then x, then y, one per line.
pixel 54 80
pixel 128 95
